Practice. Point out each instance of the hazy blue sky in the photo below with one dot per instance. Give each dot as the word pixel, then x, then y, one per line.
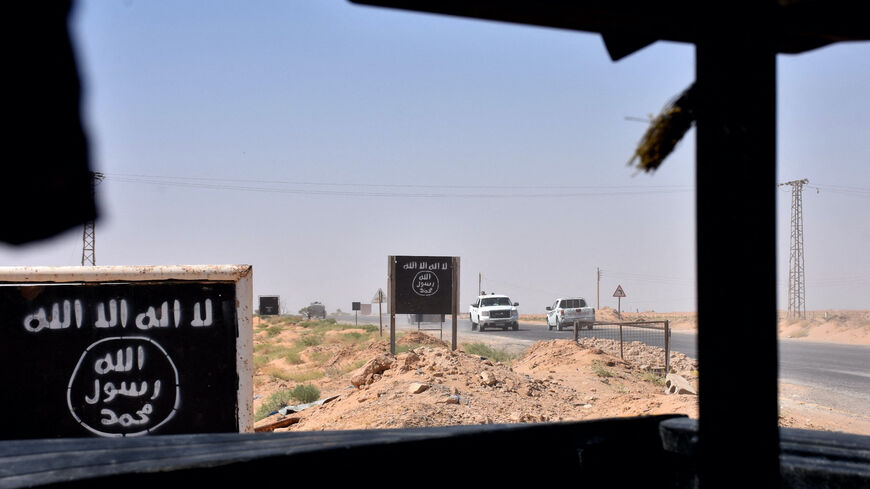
pixel 313 138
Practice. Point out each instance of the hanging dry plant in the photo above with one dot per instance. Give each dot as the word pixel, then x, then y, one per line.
pixel 664 132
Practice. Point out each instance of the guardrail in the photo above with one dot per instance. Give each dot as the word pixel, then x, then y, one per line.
pixel 653 333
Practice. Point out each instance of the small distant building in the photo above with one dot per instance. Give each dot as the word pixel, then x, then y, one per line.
pixel 270 305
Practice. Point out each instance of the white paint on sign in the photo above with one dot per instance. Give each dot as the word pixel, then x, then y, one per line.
pixel 126 358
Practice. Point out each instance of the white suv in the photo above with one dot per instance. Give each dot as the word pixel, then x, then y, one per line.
pixel 566 310
pixel 494 311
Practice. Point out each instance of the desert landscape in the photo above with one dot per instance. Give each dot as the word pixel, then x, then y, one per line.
pixel 325 375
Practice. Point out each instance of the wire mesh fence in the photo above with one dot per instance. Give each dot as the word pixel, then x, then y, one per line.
pixel 627 334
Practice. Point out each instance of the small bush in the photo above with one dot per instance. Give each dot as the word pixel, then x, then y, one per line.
pixel 273 403
pixel 305 393
pixel 311 339
pixel 494 354
pixel 354 337
pixel 305 376
pixel 406 348
pixel 292 357
pixel 652 377
pixel 260 361
pixel 600 371
pixel 276 373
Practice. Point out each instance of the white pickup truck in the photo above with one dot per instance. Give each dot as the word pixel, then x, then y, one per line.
pixel 494 311
pixel 566 310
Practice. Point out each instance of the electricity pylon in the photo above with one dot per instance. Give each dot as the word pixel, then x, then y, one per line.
pixel 89 232
pixel 796 300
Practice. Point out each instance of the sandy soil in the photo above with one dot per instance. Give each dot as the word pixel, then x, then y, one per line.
pixel 555 380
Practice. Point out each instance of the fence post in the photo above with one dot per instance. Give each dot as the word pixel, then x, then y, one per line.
pixel 576 334
pixel 620 342
pixel 667 347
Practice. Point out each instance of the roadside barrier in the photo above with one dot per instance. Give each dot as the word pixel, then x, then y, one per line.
pixel 652 333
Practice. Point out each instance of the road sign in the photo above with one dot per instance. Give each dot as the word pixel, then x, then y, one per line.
pixel 619 292
pixel 355 306
pixel 379 297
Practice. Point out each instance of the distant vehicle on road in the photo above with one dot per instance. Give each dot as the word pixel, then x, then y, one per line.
pixel 494 311
pixel 314 310
pixel 566 310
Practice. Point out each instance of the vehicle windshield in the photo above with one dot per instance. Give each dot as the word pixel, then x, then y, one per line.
pixel 495 301
pixel 228 133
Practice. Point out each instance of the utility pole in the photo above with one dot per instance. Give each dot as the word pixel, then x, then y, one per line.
pixel 598 288
pixel 796 299
pixel 89 232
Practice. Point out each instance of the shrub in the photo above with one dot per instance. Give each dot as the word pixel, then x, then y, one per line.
pixel 311 339
pixel 304 376
pixel 305 393
pixel 652 377
pixel 292 357
pixel 405 348
pixel 601 371
pixel 273 403
pixel 495 354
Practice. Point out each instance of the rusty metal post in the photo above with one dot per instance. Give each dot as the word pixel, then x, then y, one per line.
pixel 391 296
pixel 455 306
pixel 667 347
pixel 621 355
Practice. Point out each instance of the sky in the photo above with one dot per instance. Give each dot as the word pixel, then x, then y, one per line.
pixel 314 138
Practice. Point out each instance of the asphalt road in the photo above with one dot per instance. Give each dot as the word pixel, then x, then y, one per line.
pixel 838 375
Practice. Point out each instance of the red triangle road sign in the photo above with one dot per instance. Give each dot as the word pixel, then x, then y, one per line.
pixel 619 292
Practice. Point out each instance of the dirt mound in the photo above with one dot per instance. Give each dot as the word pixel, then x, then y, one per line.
pixel 555 381
pixel 849 327
pixel 422 339
pixel 643 355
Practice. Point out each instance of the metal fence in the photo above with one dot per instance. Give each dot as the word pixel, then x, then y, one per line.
pixel 651 333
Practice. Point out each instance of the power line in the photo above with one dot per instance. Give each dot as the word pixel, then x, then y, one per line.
pixel 389 185
pixel 370 190
pixel 842 189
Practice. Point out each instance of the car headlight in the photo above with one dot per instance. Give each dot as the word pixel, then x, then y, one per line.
pixel 485 314
pixel 515 313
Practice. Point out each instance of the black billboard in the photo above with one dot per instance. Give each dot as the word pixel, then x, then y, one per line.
pixel 423 284
pixel 120 359
pixel 269 305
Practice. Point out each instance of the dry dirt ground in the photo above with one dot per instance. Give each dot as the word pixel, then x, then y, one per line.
pixel 427 384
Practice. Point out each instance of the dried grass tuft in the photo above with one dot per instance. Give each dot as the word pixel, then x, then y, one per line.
pixel 664 132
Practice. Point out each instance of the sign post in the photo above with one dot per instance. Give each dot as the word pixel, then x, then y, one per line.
pixel 356 307
pixel 619 293
pixel 379 298
pixel 423 285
